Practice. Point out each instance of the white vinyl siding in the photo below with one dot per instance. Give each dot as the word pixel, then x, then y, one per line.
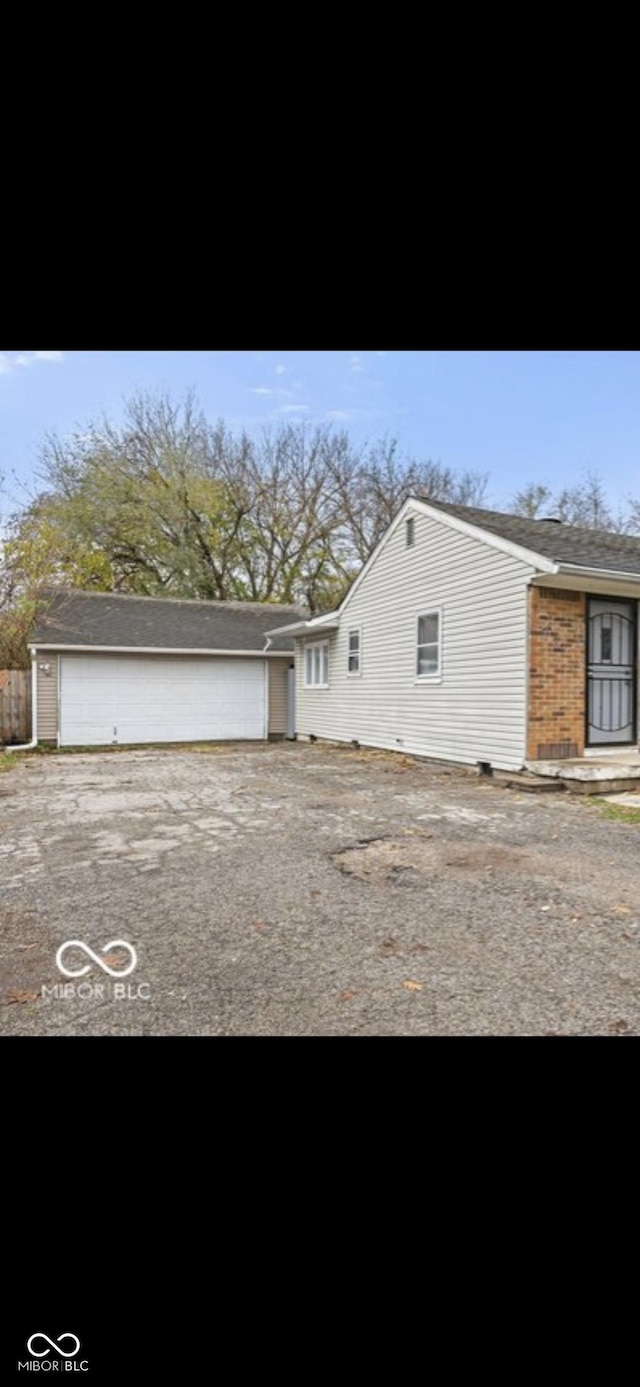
pixel 131 699
pixel 47 697
pixel 476 709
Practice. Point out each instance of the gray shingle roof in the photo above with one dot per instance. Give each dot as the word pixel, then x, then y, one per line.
pixel 84 618
pixel 598 549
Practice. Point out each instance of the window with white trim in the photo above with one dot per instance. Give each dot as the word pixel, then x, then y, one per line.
pixel 316 665
pixel 355 651
pixel 429 645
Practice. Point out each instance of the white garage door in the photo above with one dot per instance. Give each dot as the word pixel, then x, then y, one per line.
pixel 131 698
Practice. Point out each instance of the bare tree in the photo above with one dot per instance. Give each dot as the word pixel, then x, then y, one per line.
pixel 167 502
pixel 375 483
pixel 583 504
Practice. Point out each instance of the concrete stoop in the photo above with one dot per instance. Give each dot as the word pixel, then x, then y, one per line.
pixel 524 780
pixel 615 774
pixel 619 785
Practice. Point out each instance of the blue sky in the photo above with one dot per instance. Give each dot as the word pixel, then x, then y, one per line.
pixel 520 416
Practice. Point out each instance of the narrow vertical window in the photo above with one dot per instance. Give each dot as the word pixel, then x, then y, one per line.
pixel 428 664
pixel 410 531
pixel 353 659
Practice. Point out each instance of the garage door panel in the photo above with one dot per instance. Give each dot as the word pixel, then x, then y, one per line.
pixel 111 698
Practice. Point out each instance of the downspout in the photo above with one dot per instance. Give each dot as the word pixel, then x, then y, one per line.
pixel 266 691
pixel 28 746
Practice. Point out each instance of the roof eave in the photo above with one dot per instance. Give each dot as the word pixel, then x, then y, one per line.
pixel 477 531
pixel 316 626
pixel 583 570
pixel 83 648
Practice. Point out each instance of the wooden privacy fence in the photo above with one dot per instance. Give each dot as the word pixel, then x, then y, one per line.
pixel 15 706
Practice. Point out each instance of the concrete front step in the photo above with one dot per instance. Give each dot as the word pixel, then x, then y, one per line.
pixel 587 776
pixel 590 769
pixel 620 784
pixel 524 780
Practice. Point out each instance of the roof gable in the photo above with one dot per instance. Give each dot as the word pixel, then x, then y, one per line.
pixel 544 545
pixel 414 505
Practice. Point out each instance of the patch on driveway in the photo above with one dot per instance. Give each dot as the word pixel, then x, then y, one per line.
pixel 417 854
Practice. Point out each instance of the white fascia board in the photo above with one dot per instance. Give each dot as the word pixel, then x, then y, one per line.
pixel 324 620
pixel 517 551
pixel 581 571
pixel 408 505
pixel 164 650
pixel 413 505
pixel 328 622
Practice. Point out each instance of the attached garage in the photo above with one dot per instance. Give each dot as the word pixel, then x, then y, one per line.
pixel 208 673
pixel 136 698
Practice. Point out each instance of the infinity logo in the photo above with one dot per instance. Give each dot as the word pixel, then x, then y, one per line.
pixel 56 1345
pixel 113 972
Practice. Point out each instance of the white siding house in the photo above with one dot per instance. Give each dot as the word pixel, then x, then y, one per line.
pixel 428 653
pixel 472 706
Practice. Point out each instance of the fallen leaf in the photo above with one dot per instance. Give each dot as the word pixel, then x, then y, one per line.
pixel 619 1027
pixel 259 924
pixel 114 960
pixel 422 948
pixel 389 946
pixel 413 986
pixel 314 893
pixel 22 947
pixel 347 995
pixel 622 909
pixel 16 994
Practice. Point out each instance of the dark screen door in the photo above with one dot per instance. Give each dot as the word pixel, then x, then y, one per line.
pixel 611 671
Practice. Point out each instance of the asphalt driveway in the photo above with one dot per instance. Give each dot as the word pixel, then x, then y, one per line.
pixel 308 890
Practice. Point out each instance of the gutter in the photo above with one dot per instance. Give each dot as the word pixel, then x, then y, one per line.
pixel 580 570
pixel 306 628
pixel 28 746
pixel 158 650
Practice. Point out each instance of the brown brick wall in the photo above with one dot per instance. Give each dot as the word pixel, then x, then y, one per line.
pixel 557 676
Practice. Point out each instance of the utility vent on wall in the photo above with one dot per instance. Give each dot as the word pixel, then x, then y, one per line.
pixel 557 751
